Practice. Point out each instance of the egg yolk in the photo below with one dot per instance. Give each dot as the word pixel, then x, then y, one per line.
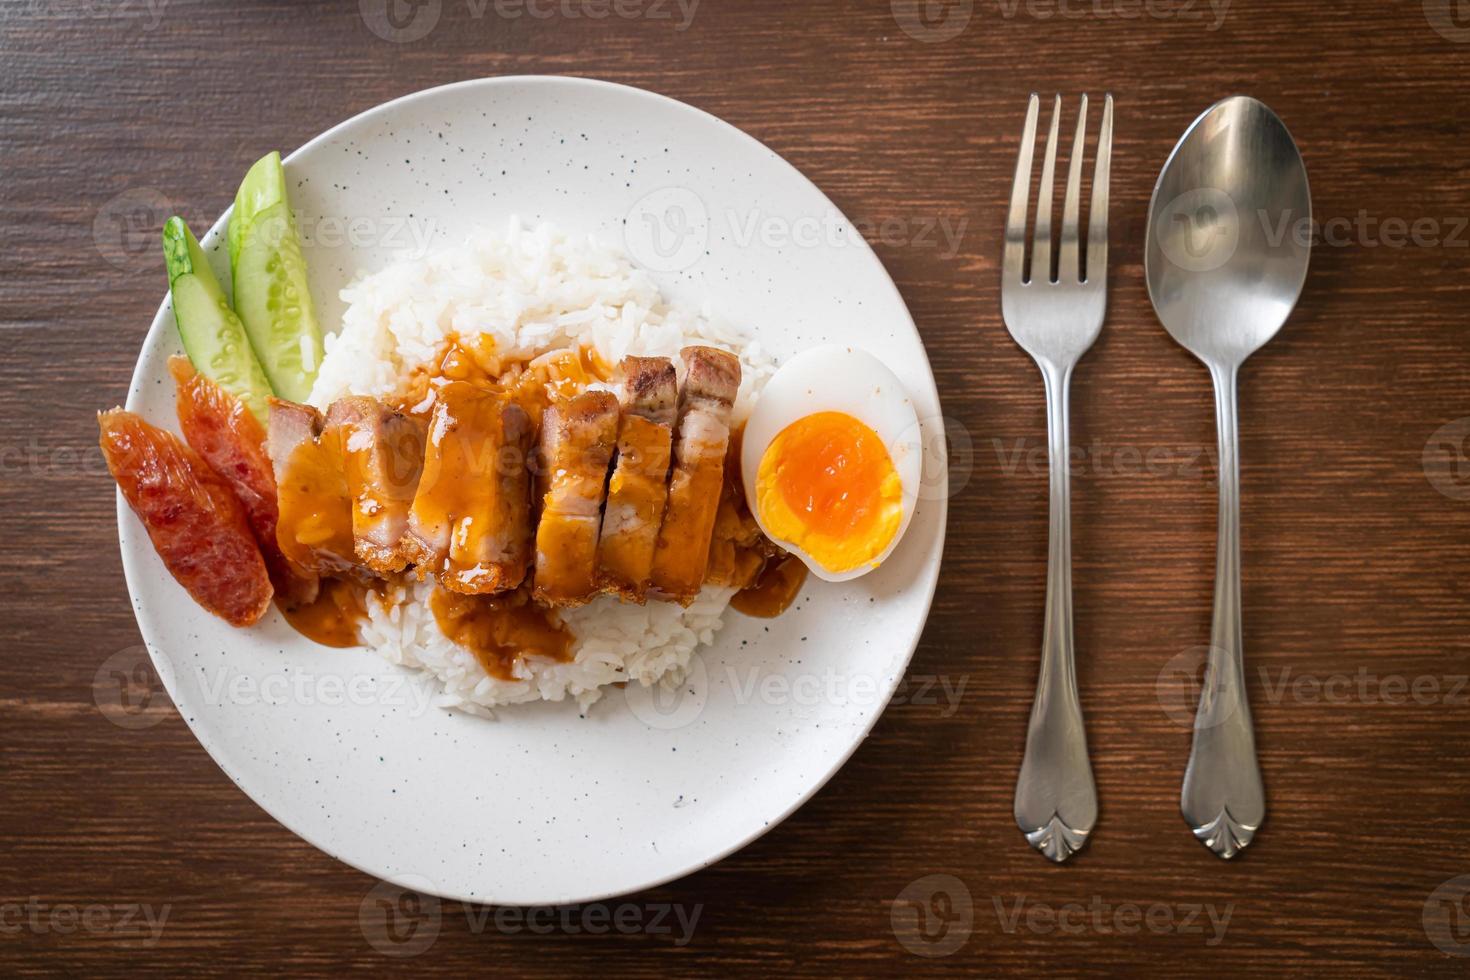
pixel 827 486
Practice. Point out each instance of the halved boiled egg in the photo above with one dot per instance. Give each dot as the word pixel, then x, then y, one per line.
pixel 831 461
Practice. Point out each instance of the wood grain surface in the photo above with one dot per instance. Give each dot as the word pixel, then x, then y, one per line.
pixel 1356 502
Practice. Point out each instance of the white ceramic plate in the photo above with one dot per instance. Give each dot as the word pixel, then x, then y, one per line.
pixel 543 805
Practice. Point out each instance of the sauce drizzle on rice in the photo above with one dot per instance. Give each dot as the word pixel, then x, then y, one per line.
pixel 334 618
pixel 501 630
pixel 774 590
pixel 540 317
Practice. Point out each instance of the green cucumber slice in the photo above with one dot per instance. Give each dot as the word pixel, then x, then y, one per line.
pixel 271 291
pixel 214 338
pixel 264 185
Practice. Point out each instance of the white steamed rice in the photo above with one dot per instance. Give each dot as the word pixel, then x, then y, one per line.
pixel 532 290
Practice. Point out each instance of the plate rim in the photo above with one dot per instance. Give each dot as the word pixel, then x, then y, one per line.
pixel 929 581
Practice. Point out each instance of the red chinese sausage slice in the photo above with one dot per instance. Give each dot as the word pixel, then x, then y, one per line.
pixel 196 524
pixel 232 442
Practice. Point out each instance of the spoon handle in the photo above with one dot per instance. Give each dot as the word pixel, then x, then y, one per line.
pixel 1223 799
pixel 1056 800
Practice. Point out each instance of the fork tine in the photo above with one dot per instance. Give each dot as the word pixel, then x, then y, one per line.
pixel 1097 218
pixel 1015 249
pixel 1067 264
pixel 1041 247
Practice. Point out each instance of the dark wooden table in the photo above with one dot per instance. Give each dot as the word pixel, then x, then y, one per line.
pixel 1356 501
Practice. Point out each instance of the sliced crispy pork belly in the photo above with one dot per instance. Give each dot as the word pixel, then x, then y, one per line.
pixel 314 527
pixel 639 486
pixel 470 522
pixel 682 551
pixel 738 551
pixel 383 455
pixel 577 441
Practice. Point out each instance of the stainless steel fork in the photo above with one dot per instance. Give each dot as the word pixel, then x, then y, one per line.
pixel 1055 318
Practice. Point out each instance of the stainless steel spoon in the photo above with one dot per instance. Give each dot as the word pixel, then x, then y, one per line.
pixel 1227 249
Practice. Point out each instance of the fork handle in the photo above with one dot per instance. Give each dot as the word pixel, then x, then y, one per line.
pixel 1056 799
pixel 1223 798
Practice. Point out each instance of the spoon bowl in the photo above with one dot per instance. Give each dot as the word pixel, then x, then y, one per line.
pixel 1229 232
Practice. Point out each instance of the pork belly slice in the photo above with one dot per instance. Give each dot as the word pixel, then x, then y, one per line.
pixel 739 552
pixel 314 523
pixel 649 394
pixel 383 455
pixel 682 552
pixel 470 522
pixel 577 441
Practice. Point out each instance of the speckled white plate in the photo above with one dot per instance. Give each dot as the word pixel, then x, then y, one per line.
pixel 544 805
